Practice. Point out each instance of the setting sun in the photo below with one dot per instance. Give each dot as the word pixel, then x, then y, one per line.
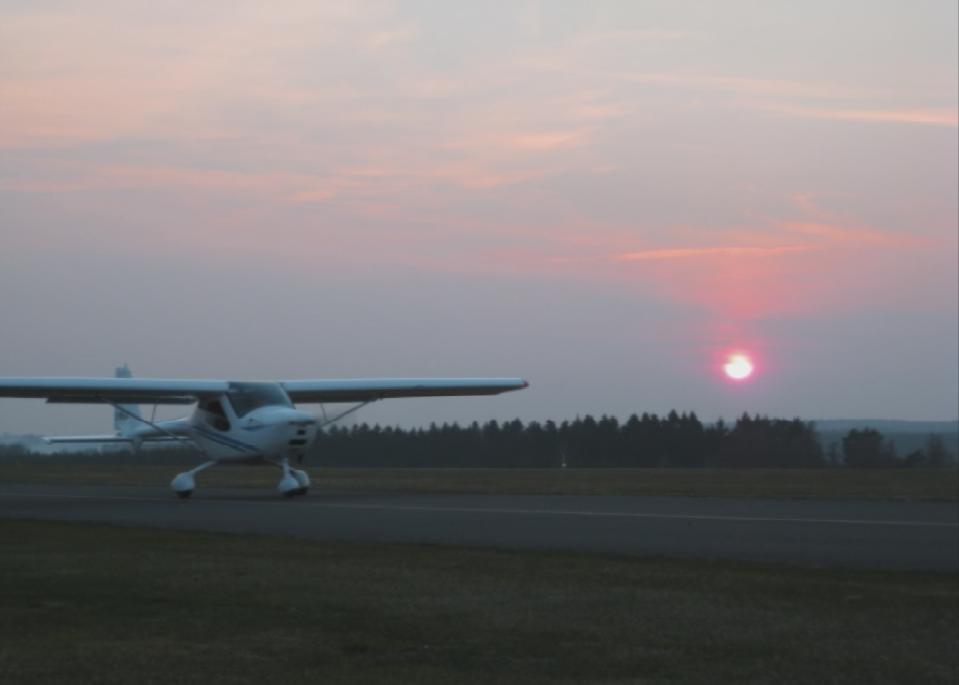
pixel 738 367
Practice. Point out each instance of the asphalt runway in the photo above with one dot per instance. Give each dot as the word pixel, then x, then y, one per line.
pixel 855 534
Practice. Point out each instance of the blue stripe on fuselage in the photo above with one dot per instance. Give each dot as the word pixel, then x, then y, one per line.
pixel 224 440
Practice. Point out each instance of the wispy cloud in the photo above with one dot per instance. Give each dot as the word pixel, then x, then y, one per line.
pixel 79 177
pixel 654 34
pixel 943 116
pixel 746 85
pixel 837 231
pixel 391 37
pixel 839 235
pixel 544 140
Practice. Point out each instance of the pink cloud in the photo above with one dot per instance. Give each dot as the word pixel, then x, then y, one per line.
pixel 737 284
pixel 486 142
pixel 398 140
pixel 838 262
pixel 722 251
pixel 777 267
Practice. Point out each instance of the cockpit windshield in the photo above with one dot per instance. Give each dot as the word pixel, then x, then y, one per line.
pixel 245 397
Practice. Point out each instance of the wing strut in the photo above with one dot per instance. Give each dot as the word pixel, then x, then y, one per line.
pixel 327 422
pixel 151 424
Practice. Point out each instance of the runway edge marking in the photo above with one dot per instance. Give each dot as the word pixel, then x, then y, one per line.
pixel 540 512
pixel 632 514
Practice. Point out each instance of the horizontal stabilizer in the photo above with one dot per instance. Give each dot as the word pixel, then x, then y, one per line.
pixel 54 440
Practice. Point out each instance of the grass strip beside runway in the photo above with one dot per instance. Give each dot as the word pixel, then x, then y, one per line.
pixel 91 603
pixel 865 484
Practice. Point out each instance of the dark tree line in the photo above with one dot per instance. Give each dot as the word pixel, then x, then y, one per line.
pixel 676 440
pixel 867 448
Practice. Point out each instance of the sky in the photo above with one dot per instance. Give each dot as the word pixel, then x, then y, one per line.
pixel 605 198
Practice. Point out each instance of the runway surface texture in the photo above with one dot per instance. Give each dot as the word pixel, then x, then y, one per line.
pixel 856 534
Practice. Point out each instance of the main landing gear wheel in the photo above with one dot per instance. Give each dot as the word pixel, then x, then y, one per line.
pixel 294 482
pixel 184 482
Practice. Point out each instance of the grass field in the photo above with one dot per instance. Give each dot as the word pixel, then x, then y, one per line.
pixel 876 484
pixel 90 603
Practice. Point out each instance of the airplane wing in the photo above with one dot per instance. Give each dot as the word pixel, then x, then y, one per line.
pixel 174 391
pixel 369 389
pixel 117 390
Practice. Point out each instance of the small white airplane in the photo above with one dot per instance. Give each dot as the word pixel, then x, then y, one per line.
pixel 235 421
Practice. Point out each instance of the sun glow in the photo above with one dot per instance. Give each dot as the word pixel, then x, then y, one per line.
pixel 738 367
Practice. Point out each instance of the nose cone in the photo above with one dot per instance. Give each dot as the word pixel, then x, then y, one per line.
pixel 279 432
pixel 286 432
pixel 300 429
pixel 300 418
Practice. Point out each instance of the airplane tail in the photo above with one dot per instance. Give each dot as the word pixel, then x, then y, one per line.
pixel 124 421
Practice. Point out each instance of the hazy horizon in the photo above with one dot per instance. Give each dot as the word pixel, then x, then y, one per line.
pixel 604 198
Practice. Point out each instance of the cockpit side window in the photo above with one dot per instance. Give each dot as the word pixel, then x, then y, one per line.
pixel 245 397
pixel 215 416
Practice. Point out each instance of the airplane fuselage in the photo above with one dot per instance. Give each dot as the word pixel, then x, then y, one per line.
pixel 268 433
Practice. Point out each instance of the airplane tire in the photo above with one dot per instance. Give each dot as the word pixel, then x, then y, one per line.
pixel 184 494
